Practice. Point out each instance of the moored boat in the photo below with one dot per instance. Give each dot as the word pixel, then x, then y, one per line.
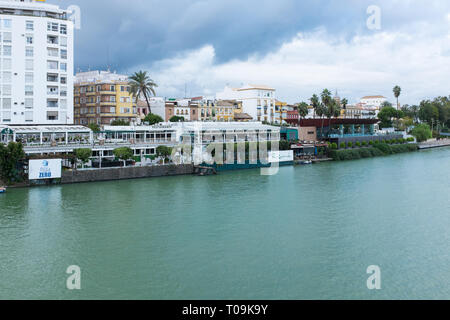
pixel 2 189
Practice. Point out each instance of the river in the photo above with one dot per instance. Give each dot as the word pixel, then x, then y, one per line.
pixel 309 232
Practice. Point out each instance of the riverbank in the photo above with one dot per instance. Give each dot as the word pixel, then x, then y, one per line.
pixel 378 150
pixel 434 144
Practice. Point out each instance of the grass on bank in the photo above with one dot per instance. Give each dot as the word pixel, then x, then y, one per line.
pixel 378 150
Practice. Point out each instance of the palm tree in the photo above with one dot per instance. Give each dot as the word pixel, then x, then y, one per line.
pixel 327 102
pixel 302 109
pixel 141 85
pixel 397 91
pixel 315 103
pixel 344 104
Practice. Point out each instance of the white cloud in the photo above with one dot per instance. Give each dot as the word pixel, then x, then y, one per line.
pixel 372 64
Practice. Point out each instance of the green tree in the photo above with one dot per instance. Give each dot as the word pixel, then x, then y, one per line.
pixel 141 85
pixel 94 127
pixel 422 132
pixel 176 119
pixel 386 115
pixel 120 122
pixel 315 103
pixel 10 155
pixel 153 119
pixel 164 152
pixel 124 154
pixel 302 109
pixel 83 154
pixel 397 91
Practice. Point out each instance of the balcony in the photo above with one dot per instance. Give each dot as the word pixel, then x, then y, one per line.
pixel 52 103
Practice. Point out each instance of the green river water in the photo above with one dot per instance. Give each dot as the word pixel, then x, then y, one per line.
pixel 309 232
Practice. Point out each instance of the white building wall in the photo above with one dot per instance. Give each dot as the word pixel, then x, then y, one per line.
pixel 31 71
pixel 253 99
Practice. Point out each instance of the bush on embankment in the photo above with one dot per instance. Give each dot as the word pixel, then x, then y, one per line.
pixel 379 149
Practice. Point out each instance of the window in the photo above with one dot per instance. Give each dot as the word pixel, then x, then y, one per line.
pixel 54 26
pixel 29 25
pixel 7 37
pixel 28 90
pixel 52 90
pixel 28 103
pixel 63 80
pixel 112 88
pixel 53 65
pixel 122 88
pixel 7 23
pixel 29 77
pixel 63 54
pixel 29 39
pixel 63 29
pixel 7 76
pixel 29 51
pixel 7 64
pixel 98 99
pixel 63 66
pixel 52 77
pixel 63 91
pixel 7 103
pixel 6 116
pixel 63 41
pixel 29 65
pixel 63 104
pixel 7 51
pixel 52 39
pixel 6 89
pixel 28 115
pixel 52 103
pixel 112 99
pixel 52 115
pixel 52 52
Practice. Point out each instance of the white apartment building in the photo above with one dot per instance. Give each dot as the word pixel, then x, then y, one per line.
pixel 375 101
pixel 257 101
pixel 36 63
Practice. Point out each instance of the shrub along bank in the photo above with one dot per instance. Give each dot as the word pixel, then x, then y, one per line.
pixel 379 149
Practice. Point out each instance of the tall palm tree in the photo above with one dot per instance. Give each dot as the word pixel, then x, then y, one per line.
pixel 315 103
pixel 397 91
pixel 344 104
pixel 302 109
pixel 327 102
pixel 141 85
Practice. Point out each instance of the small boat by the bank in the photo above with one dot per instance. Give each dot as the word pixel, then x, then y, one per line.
pixel 2 189
pixel 305 162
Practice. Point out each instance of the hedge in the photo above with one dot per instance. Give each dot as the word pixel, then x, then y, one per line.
pixel 380 149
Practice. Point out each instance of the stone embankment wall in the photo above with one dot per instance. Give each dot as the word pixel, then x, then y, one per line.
pixel 108 174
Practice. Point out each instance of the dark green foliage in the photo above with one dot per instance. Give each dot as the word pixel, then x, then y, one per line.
pixel 83 154
pixel 153 119
pixel 94 127
pixel 342 145
pixel 380 149
pixel 422 132
pixel 10 155
pixel 120 122
pixel 176 119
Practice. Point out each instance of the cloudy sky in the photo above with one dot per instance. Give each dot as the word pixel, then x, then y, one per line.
pixel 298 47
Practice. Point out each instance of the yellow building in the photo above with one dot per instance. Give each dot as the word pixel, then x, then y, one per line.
pixel 101 97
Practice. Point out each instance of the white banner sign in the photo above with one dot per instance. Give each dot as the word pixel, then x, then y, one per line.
pixel 281 156
pixel 44 169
